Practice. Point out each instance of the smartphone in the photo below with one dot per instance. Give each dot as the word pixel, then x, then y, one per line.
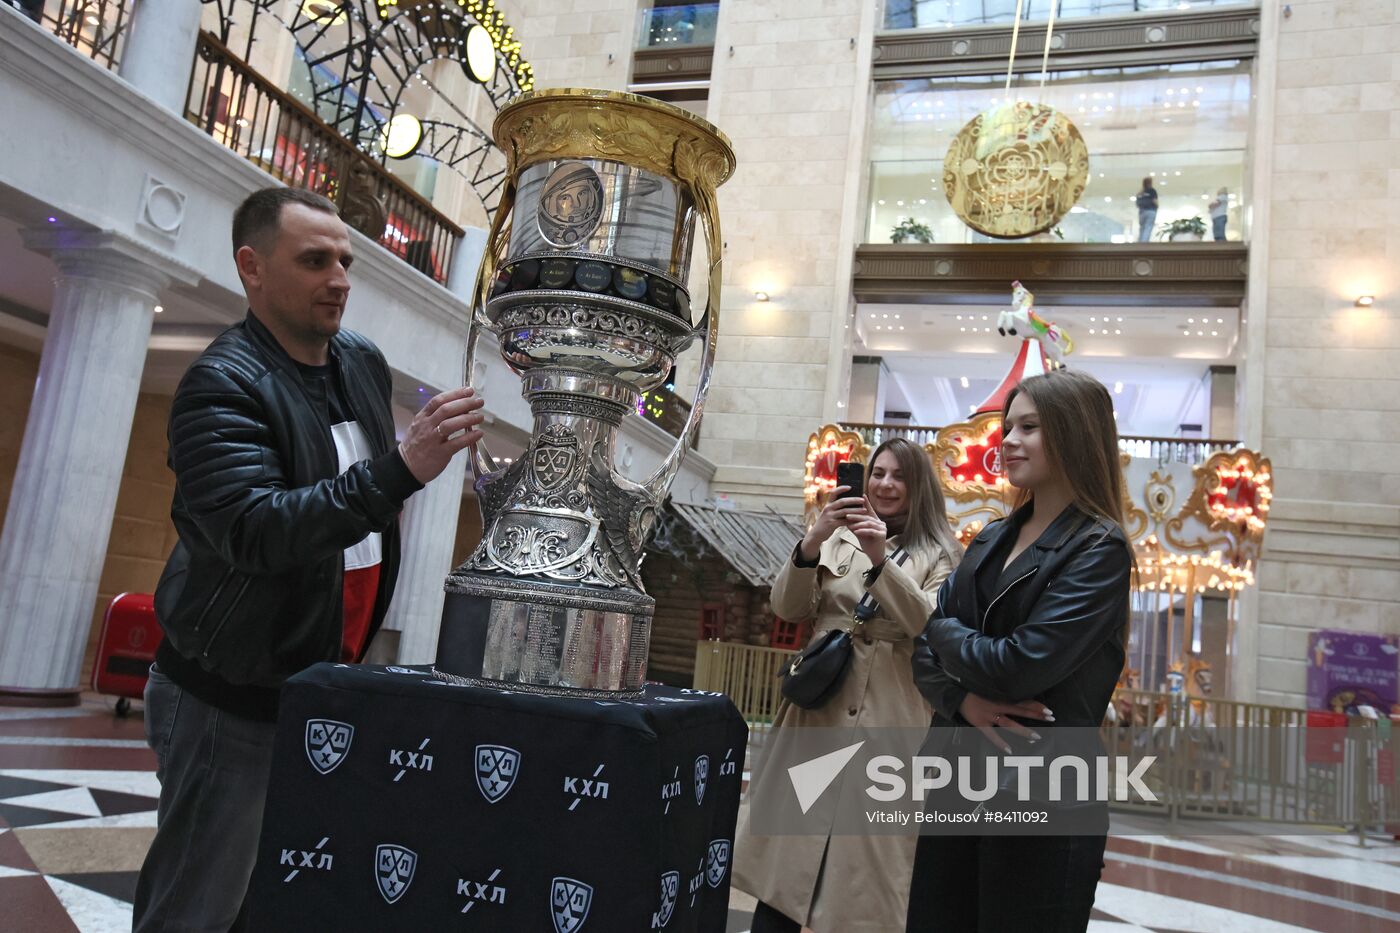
pixel 852 475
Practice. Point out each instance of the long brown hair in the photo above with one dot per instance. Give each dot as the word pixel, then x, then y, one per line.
pixel 927 524
pixel 1080 437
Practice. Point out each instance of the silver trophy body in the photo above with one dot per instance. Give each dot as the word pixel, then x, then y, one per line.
pixel 584 283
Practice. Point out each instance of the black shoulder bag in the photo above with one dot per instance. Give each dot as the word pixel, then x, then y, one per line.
pixel 816 674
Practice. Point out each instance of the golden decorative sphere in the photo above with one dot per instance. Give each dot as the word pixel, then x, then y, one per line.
pixel 1015 170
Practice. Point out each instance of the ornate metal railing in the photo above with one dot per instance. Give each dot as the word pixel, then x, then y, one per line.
pixel 1215 758
pixel 1194 451
pixel 268 127
pixel 1162 449
pixel 876 434
pixel 97 28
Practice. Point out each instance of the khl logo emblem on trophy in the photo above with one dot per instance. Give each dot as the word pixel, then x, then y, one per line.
pixel 584 283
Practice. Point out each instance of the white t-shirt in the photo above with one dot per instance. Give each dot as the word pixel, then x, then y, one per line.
pixel 352 446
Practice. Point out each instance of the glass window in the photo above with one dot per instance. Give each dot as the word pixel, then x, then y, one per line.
pixel 662 25
pixel 1182 126
pixel 916 14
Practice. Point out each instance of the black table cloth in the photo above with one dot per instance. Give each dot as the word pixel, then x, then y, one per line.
pixel 401 802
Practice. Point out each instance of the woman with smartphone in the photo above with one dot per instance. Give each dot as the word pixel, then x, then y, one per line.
pixel 875 558
pixel 1028 638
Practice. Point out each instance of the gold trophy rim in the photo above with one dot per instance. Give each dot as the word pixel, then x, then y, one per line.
pixel 565 99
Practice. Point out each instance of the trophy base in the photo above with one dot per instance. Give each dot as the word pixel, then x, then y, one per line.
pixel 541 637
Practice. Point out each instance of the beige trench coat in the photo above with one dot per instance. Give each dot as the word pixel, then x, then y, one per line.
pixel 846 883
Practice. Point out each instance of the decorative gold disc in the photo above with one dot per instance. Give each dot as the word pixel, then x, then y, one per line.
pixel 1015 170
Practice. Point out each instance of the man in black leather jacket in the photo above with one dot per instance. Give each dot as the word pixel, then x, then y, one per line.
pixel 288 488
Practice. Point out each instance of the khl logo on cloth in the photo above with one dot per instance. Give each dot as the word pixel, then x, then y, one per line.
pixel 571 900
pixel 717 861
pixel 327 743
pixel 393 869
pixel 702 777
pixel 496 768
pixel 670 888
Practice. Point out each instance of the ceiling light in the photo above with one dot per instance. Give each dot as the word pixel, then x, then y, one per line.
pixel 760 296
pixel 93 20
pixel 881 201
pixel 159 309
pixel 401 136
pixel 1091 330
pixel 1118 388
pixel 1120 320
pixel 962 329
pixel 480 65
pixel 1116 331
pixel 964 382
pixel 1215 333
pixel 1190 320
pixel 1365 301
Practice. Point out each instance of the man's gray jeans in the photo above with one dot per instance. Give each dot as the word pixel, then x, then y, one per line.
pixel 213 769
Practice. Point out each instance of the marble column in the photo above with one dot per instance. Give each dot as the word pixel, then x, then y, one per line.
pixel 54 541
pixel 429 532
pixel 159 51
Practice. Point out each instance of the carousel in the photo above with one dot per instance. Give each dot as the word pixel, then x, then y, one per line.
pixel 1195 512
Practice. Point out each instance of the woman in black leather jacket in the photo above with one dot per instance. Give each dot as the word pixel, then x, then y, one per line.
pixel 1029 627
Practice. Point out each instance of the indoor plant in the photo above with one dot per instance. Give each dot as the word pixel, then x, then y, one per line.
pixel 1193 229
pixel 910 229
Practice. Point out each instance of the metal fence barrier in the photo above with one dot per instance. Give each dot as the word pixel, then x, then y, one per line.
pixel 1216 759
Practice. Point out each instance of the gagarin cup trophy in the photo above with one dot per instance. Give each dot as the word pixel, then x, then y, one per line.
pixel 584 283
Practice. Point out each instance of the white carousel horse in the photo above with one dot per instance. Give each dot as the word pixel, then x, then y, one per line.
pixel 1021 320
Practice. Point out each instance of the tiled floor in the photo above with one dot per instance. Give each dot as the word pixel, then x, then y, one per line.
pixel 77 811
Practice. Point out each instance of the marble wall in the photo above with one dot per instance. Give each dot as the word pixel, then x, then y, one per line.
pixel 1320 381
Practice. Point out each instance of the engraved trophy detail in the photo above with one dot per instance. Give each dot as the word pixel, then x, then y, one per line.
pixel 584 284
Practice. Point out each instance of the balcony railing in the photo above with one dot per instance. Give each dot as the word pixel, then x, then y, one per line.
pixel 1190 450
pixel 268 127
pixel 929 14
pixel 97 28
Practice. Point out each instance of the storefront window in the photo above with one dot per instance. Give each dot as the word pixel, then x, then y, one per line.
pixel 665 25
pixel 924 14
pixel 1183 126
